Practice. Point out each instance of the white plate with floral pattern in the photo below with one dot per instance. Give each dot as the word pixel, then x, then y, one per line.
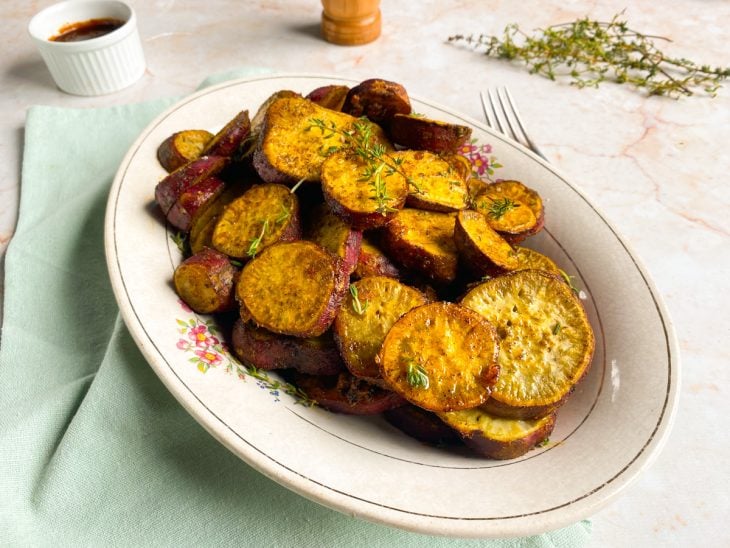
pixel 611 429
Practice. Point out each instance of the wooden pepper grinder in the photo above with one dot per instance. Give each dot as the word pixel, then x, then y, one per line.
pixel 350 22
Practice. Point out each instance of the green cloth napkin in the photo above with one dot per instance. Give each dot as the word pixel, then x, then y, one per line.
pixel 93 449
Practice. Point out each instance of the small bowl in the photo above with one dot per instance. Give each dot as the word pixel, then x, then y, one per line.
pixel 96 66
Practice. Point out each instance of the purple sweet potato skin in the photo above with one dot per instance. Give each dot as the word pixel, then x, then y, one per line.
pixel 221 276
pixel 379 100
pixel 421 425
pixel 184 210
pixel 169 189
pixel 266 350
pixel 332 96
pixel 228 140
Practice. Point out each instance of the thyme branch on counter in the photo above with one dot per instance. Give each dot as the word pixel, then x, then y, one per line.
pixel 590 52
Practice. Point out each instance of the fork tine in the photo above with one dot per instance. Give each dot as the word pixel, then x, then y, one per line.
pixel 489 113
pixel 505 97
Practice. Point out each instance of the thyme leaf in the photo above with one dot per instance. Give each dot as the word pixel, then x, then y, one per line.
pixel 590 52
pixel 256 242
pixel 180 239
pixel 416 375
pixel 500 206
pixel 357 305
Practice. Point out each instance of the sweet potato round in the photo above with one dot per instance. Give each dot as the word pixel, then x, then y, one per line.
pixel 205 282
pixel 524 218
pixel 332 233
pixel 169 189
pixel 193 202
pixel 441 357
pixel 547 342
pixel 230 138
pixel 182 147
pixel 423 425
pixel 420 133
pixel 292 288
pixel 435 183
pixel 481 248
pixel 379 100
pixel 371 261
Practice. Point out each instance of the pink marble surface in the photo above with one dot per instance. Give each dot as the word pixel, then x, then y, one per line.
pixel 657 168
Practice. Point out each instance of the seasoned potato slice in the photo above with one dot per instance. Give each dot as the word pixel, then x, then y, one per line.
pixel 545 338
pixel 182 147
pixel 529 259
pixel 496 437
pixel 170 188
pixel 373 262
pixel 336 236
pixel 423 425
pixel 266 350
pixel 332 96
pixel 353 194
pixel 435 183
pixel 193 202
pixel 365 316
pixel 441 357
pixel 423 241
pixel 292 288
pixel 292 148
pixel 230 138
pixel 205 282
pixel 263 215
pixel 421 133
pixel 257 121
pixel 483 250
pixel 201 229
pixel 377 99
pixel 512 209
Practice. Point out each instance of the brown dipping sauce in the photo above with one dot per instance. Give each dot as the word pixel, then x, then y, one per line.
pixel 86 30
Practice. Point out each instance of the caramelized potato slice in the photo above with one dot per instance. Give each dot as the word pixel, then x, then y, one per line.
pixel 266 350
pixel 205 282
pixel 332 96
pixel 512 209
pixel 496 437
pixel 292 288
pixel 346 394
pixel 351 195
pixel 378 100
pixel 201 229
pixel 421 133
pixel 529 259
pixel 545 338
pixel 365 316
pixel 230 138
pixel 169 189
pixel 336 236
pixel 182 147
pixel 371 261
pixel 292 148
pixel 257 121
pixel 435 184
pixel 441 357
pixel 263 215
pixel 193 202
pixel 423 425
pixel 423 241
pixel 483 250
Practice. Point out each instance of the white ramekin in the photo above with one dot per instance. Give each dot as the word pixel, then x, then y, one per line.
pixel 97 66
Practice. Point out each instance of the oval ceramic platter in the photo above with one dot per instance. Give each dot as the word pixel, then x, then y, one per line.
pixel 611 429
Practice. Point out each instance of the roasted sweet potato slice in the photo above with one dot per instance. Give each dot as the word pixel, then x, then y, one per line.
pixel 344 393
pixel 203 224
pixel 332 96
pixel 365 316
pixel 423 425
pixel 182 147
pixel 205 282
pixel 421 133
pixel 193 202
pixel 435 184
pixel 441 357
pixel 379 100
pixel 361 199
pixel 496 437
pixel 332 233
pixel 263 215
pixel 292 146
pixel 266 350
pixel 169 189
pixel 371 261
pixel 545 338
pixel 230 138
pixel 292 288
pixel 424 242
pixel 529 259
pixel 512 209
pixel 482 250
pixel 257 121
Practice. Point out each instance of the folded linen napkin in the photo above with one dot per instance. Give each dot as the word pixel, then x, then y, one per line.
pixel 94 450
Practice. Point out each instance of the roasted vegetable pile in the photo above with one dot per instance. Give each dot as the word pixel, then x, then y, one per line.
pixel 358 255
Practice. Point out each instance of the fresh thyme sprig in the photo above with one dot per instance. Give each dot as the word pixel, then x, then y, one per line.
pixel 500 206
pixel 253 248
pixel 180 239
pixel 378 164
pixel 416 375
pixel 591 52
pixel 357 304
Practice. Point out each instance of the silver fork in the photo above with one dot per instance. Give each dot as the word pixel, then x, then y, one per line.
pixel 502 116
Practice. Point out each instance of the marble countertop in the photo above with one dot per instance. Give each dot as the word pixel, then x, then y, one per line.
pixel 656 167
